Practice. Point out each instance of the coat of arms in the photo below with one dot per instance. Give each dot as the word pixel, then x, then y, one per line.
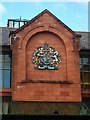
pixel 45 57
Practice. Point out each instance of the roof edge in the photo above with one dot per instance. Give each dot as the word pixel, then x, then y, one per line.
pixel 46 11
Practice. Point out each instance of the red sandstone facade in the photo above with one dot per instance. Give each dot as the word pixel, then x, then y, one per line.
pixel 30 84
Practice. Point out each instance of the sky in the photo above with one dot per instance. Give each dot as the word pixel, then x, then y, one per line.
pixel 73 14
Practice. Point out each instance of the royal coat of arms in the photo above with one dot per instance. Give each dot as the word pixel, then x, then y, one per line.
pixel 45 57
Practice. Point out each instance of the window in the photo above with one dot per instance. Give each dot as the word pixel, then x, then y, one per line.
pixel 5 70
pixel 85 71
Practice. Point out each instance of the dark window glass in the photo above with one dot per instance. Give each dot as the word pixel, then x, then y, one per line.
pixel 89 60
pixel 0 57
pixel 85 76
pixel 7 58
pixel 5 70
pixel 85 60
pixel 7 79
pixel 7 65
pixel 80 60
pixel 0 78
pixel 85 67
pixel 0 65
pixel 85 71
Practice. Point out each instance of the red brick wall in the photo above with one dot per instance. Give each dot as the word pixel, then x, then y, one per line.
pixel 47 92
pixel 45 29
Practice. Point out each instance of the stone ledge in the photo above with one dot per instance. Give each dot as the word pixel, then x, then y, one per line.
pixel 48 81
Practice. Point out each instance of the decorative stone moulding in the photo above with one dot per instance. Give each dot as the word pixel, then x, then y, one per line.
pixel 45 57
